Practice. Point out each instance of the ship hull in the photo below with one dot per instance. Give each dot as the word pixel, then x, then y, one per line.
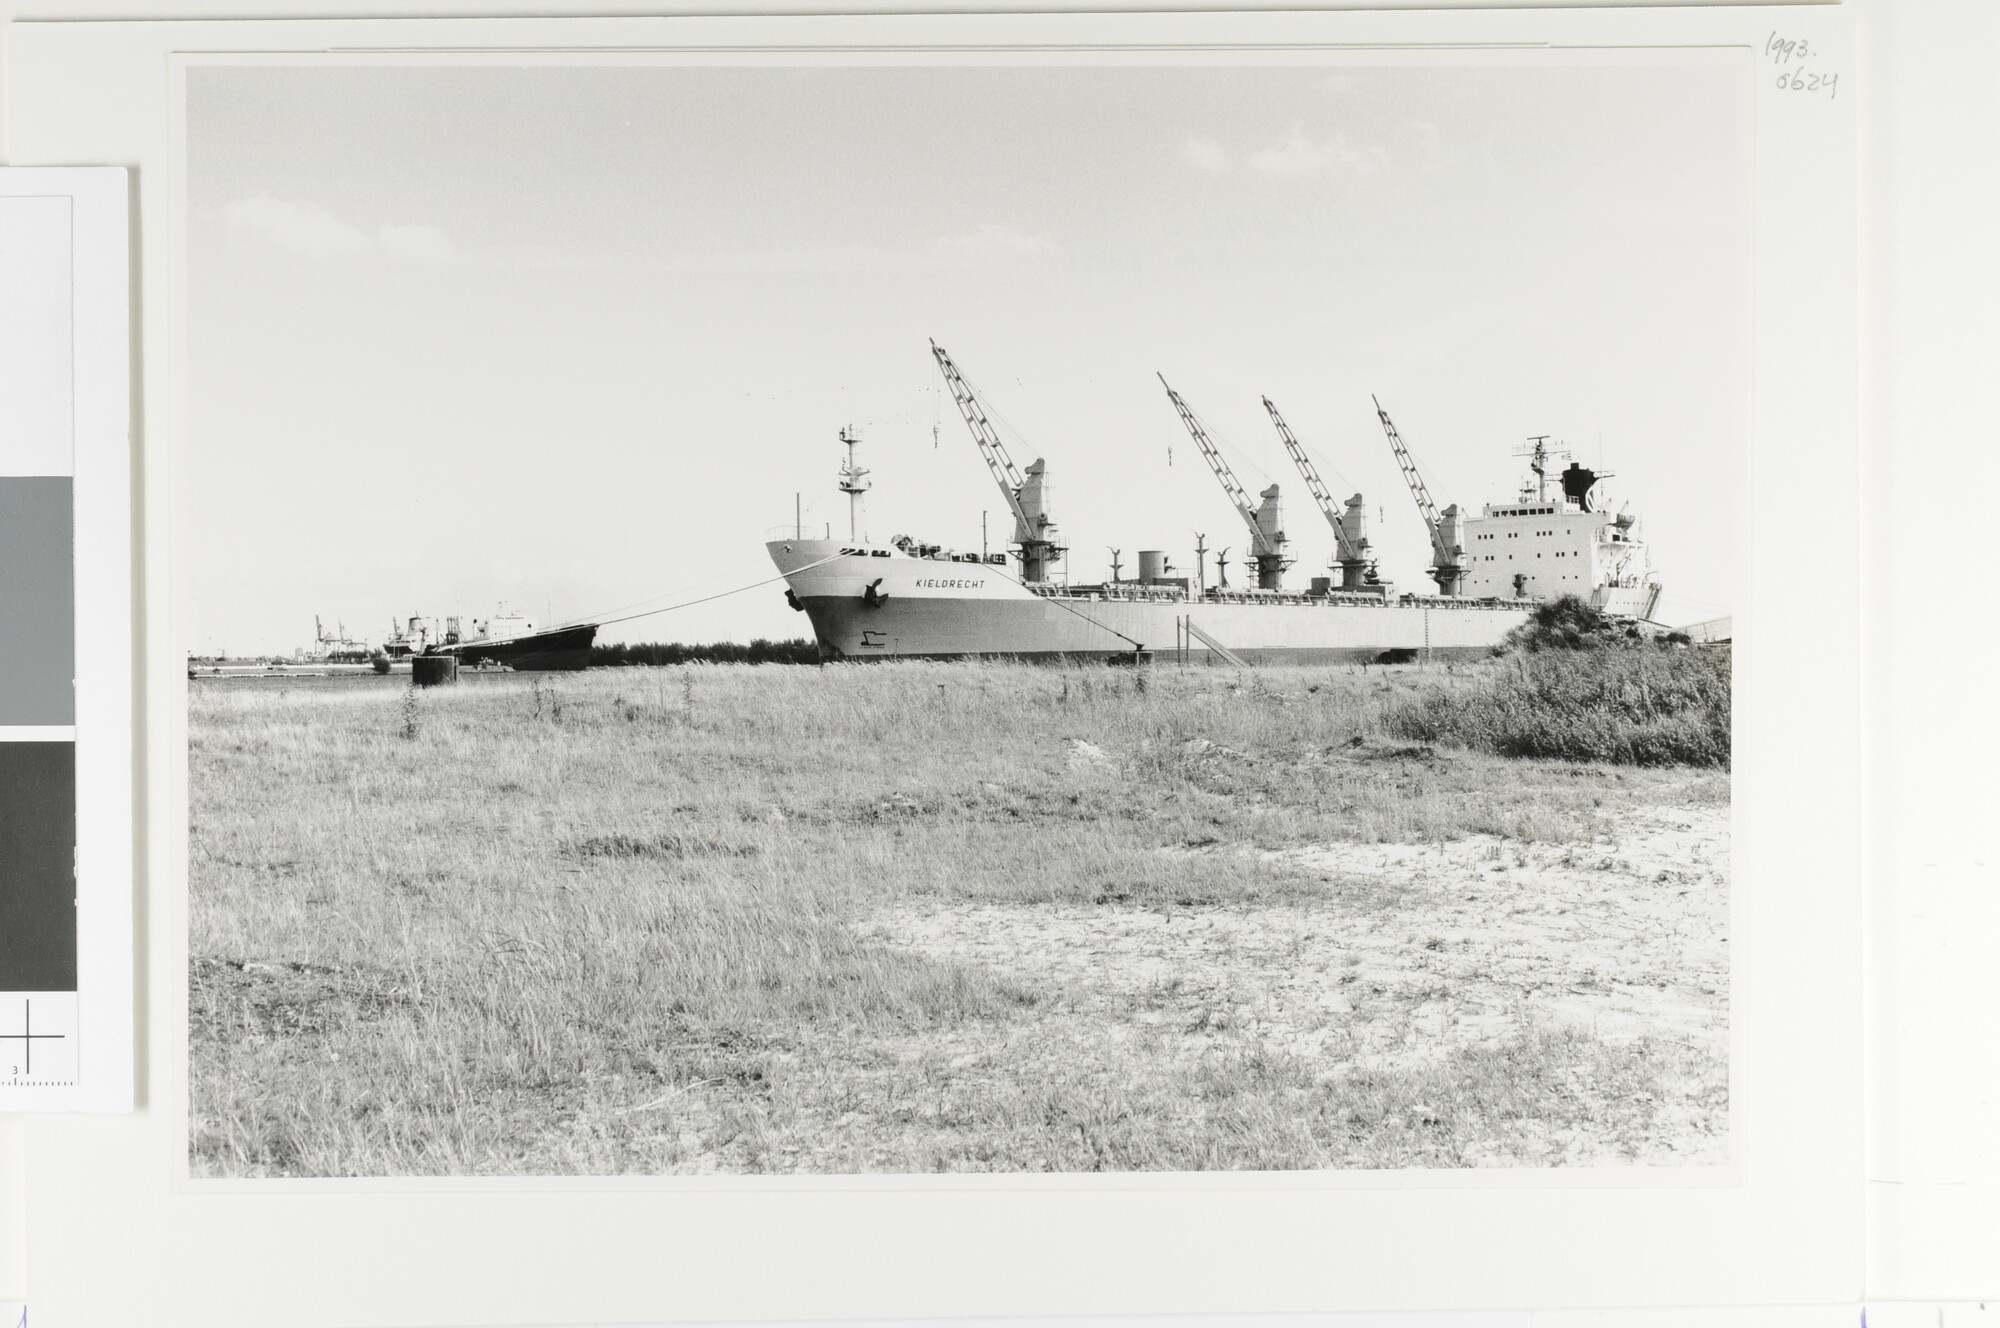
pixel 869 606
pixel 565 650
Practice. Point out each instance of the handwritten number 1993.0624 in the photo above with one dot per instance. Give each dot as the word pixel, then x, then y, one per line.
pixel 1790 55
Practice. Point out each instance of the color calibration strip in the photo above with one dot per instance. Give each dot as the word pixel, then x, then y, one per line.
pixel 38 949
pixel 63 373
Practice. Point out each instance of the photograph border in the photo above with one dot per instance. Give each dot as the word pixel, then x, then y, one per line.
pixel 1330 57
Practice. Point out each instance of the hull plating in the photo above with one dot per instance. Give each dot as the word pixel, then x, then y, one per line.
pixel 868 606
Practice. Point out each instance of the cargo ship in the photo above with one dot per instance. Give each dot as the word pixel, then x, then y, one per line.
pixel 504 640
pixel 906 599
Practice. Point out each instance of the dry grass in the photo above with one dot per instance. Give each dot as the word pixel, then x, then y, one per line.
pixel 717 918
pixel 1635 705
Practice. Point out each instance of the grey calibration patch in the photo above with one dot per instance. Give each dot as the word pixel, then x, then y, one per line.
pixel 37 866
pixel 37 601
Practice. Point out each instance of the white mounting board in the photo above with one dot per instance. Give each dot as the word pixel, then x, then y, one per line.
pixel 577 1250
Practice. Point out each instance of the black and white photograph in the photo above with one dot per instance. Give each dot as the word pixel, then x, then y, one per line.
pixel 961 614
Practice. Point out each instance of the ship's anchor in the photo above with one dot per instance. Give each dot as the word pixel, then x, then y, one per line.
pixel 791 598
pixel 872 597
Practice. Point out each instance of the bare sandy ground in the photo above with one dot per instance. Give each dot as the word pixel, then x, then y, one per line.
pixel 1414 950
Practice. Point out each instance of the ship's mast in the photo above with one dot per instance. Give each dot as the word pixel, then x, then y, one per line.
pixel 1027 495
pixel 1267 534
pixel 854 482
pixel 1447 530
pixel 1350 537
pixel 1539 454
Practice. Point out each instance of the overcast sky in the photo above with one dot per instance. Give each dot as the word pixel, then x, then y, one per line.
pixel 570 339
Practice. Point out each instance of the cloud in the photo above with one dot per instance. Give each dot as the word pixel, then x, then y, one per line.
pixel 991 240
pixel 990 243
pixel 1298 157
pixel 1430 147
pixel 417 244
pixel 1205 154
pixel 299 227
pixel 302 228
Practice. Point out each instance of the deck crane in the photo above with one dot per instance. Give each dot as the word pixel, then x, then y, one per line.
pixel 1267 529
pixel 1350 533
pixel 1447 530
pixel 1027 494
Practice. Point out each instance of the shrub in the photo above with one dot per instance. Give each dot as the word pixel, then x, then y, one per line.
pixel 1569 623
pixel 1573 685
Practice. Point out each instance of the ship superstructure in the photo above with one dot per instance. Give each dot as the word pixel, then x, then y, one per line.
pixel 1552 540
pixel 903 598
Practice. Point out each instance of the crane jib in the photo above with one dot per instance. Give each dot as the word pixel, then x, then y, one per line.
pixel 1238 498
pixel 1444 555
pixel 1314 485
pixel 1004 472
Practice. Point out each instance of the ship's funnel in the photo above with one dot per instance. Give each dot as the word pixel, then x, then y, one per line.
pixel 1577 482
pixel 1152 566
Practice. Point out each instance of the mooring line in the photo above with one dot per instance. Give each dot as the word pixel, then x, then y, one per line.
pixel 724 594
pixel 687 604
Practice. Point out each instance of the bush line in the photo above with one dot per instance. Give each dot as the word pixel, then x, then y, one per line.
pixel 798 650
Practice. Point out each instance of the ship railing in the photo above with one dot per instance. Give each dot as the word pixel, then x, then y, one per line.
pixel 1059 590
pixel 1214 595
pixel 1134 594
pixel 957 556
pixel 1147 594
pixel 1463 602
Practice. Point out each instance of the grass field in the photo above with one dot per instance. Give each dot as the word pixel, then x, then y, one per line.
pixel 925 917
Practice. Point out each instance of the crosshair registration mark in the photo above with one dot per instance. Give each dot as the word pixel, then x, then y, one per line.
pixel 28 1037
